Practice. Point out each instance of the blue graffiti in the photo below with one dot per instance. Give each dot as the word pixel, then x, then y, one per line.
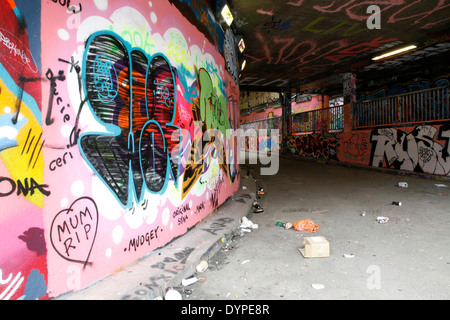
pixel 36 286
pixel 104 78
pixel 134 96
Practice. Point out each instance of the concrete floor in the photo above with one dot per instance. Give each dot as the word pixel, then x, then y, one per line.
pixel 406 258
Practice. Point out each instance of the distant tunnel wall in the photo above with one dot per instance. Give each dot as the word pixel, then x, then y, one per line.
pixel 420 148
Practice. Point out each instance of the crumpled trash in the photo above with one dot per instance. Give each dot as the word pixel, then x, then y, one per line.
pixel 383 219
pixel 247 224
pixel 188 281
pixel 305 225
pixel 202 266
pixel 173 294
pixel 286 225
pixel 318 286
pixel 256 207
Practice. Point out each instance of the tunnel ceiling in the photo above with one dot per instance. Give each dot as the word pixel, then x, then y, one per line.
pixel 307 45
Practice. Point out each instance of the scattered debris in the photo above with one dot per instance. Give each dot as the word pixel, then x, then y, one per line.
pixel 403 184
pixel 349 255
pixel 439 185
pixel 260 191
pixel 256 207
pixel 286 225
pixel 244 187
pixel 245 261
pixel 202 266
pixel 247 224
pixel 397 203
pixel 318 286
pixel 228 246
pixel 363 214
pixel 305 225
pixel 382 219
pixel 189 281
pixel 315 247
pixel 172 294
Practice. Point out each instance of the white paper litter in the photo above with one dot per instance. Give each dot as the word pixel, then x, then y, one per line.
pixel 318 286
pixel 439 185
pixel 247 224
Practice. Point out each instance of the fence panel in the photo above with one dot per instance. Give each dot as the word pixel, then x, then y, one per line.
pixel 318 121
pixel 430 105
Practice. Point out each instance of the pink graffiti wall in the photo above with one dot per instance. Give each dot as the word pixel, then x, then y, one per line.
pixel 96 148
pixel 314 103
pixel 23 253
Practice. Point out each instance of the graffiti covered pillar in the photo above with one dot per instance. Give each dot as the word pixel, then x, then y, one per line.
pixel 286 105
pixel 349 93
pixel 349 87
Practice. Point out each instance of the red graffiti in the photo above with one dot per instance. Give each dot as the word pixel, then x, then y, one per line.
pixel 395 10
pixel 359 48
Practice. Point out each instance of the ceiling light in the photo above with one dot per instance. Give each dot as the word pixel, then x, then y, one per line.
pixel 391 53
pixel 241 45
pixel 244 63
pixel 227 15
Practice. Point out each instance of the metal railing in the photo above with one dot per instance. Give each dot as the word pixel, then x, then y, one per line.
pixel 318 121
pixel 430 105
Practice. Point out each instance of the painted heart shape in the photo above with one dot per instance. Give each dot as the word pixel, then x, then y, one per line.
pixel 74 230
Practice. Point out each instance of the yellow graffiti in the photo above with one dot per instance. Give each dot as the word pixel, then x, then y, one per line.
pixel 24 158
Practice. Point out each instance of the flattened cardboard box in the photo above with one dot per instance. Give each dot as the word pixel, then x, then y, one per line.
pixel 315 247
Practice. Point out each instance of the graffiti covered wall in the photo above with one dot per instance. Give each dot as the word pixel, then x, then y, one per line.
pixel 421 148
pixel 23 253
pixel 97 137
pixel 266 138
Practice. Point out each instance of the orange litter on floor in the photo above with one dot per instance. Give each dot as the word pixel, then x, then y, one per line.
pixel 305 225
